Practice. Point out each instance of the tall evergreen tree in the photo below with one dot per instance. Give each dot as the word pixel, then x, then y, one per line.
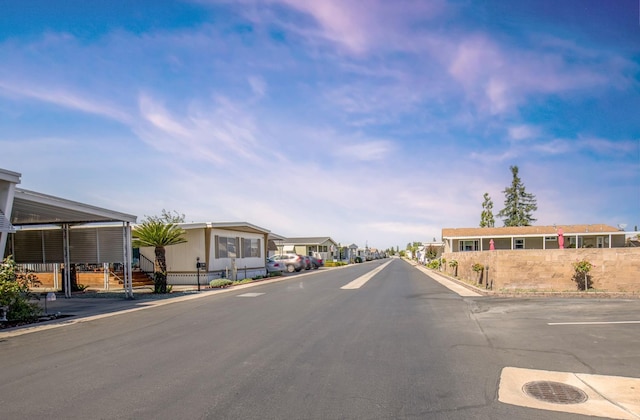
pixel 486 217
pixel 518 204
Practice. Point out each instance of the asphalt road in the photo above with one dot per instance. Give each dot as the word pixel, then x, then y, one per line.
pixel 399 346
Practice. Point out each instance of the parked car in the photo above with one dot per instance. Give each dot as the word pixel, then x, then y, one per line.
pixel 307 262
pixel 316 262
pixel 274 266
pixel 292 262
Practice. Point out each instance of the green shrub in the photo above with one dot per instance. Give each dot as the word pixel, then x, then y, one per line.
pixel 243 281
pixel 358 259
pixel 15 295
pixel 334 263
pixel 581 274
pixel 434 264
pixel 275 274
pixel 219 284
pixel 477 267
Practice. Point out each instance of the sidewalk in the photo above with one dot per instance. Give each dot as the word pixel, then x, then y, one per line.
pixel 87 306
pixel 82 307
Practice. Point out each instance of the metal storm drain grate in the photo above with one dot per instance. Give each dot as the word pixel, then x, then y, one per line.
pixel 555 392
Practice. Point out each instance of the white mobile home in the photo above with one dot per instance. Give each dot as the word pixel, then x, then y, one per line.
pixel 233 250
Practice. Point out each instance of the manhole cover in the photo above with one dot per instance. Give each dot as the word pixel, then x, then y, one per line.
pixel 554 392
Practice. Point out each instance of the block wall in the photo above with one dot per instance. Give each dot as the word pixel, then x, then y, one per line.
pixel 615 269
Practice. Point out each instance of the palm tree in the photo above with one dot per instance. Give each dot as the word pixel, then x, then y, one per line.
pixel 454 265
pixel 158 233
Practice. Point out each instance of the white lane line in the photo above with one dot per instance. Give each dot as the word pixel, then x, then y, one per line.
pixel 593 323
pixel 250 295
pixel 360 281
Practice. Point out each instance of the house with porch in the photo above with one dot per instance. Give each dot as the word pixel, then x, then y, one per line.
pixel 532 237
pixel 542 258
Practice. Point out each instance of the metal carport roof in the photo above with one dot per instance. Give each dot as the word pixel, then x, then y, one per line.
pixel 33 208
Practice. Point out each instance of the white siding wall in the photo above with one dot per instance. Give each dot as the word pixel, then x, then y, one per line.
pixel 182 257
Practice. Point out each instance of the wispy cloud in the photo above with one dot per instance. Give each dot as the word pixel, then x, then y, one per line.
pixel 219 134
pixel 369 151
pixel 359 26
pixel 258 86
pixel 498 78
pixel 523 132
pixel 64 97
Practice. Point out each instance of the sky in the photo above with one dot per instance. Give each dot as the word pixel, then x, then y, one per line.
pixel 372 122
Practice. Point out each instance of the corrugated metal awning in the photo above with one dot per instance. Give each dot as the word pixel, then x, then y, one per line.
pixel 32 208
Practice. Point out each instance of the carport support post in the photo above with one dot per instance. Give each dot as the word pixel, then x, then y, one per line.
pixel 67 260
pixel 128 278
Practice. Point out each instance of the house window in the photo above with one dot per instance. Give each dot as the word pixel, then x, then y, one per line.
pixel 551 239
pixel 227 247
pixel 250 248
pixel 518 243
pixel 324 249
pixel 468 246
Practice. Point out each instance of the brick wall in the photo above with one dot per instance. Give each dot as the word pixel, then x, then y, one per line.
pixel 616 269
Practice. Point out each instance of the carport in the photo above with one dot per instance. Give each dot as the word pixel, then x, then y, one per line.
pixel 47 229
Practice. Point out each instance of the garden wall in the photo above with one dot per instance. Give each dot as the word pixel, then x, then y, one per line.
pixel 615 269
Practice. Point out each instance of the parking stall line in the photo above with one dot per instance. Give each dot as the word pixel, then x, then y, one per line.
pixel 593 323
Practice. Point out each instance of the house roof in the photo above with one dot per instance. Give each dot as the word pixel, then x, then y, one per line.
pixel 494 232
pixel 276 237
pixel 233 226
pixel 306 241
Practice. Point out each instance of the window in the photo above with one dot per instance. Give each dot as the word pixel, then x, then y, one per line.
pixel 572 242
pixel 250 248
pixel 518 243
pixel 551 239
pixel 226 247
pixel 468 245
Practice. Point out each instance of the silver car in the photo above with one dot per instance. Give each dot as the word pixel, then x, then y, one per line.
pixel 274 266
pixel 292 262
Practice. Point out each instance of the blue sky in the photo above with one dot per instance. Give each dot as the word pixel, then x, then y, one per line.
pixel 370 121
